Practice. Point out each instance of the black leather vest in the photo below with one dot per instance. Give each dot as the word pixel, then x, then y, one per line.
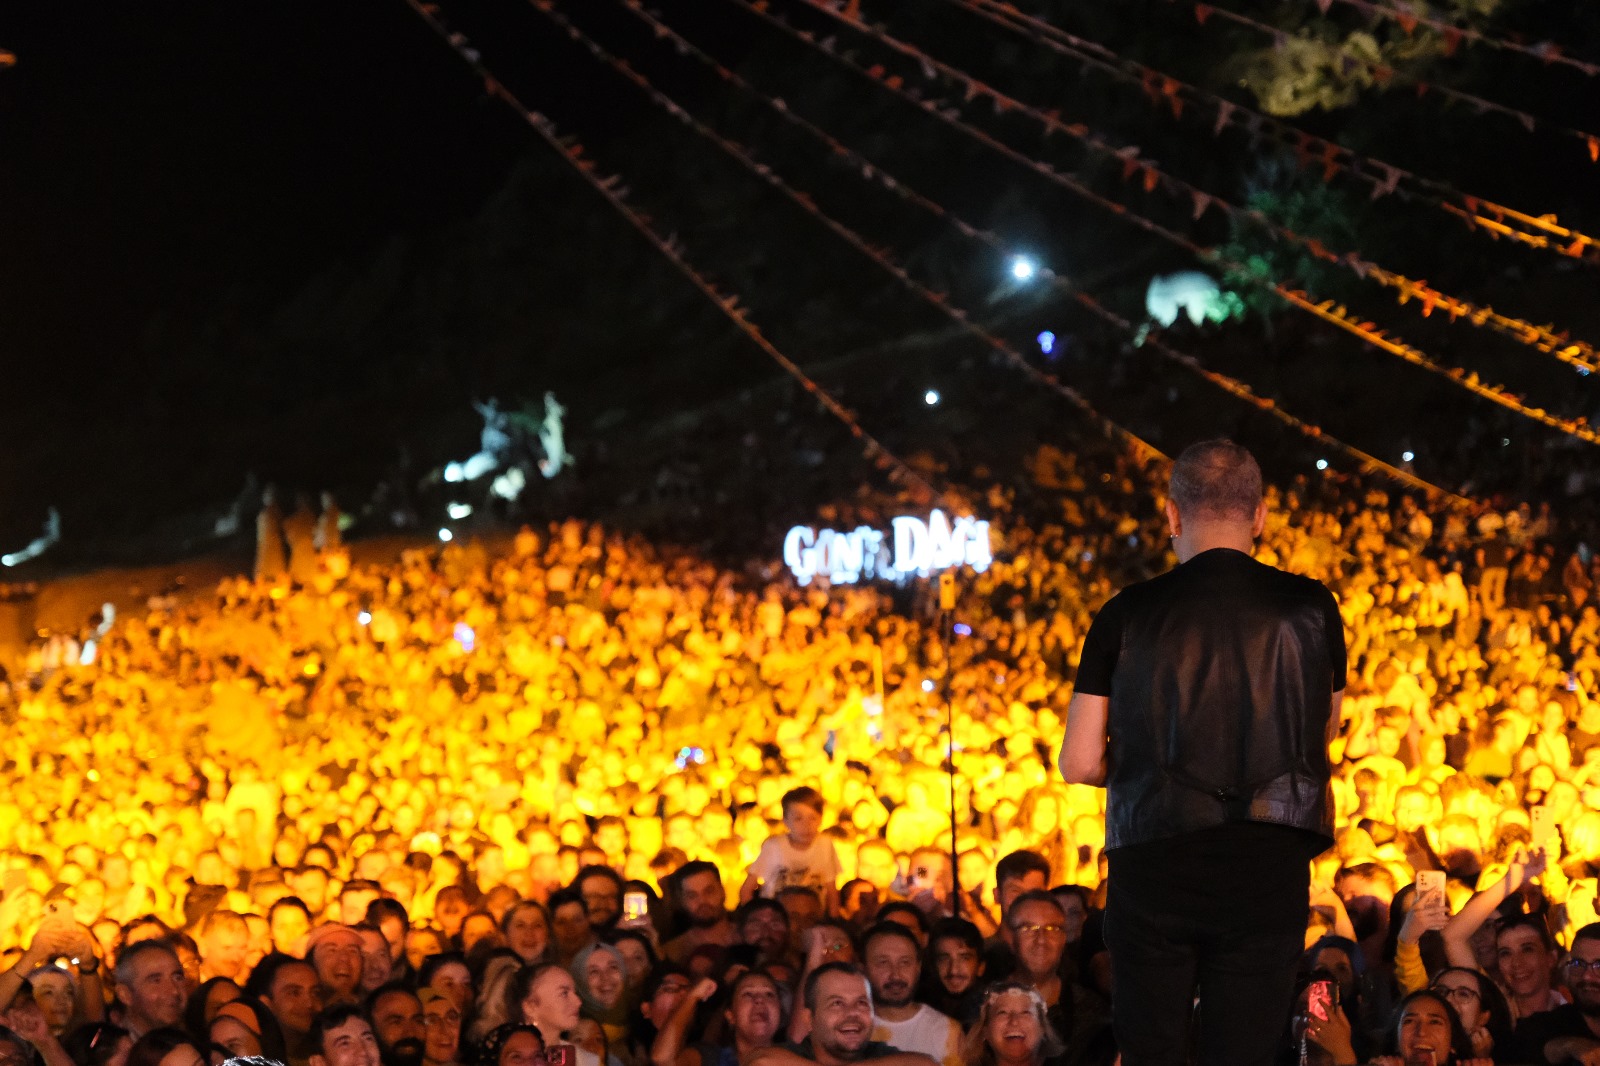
pixel 1220 702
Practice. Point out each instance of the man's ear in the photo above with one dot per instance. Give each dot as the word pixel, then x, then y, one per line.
pixel 1260 524
pixel 1174 520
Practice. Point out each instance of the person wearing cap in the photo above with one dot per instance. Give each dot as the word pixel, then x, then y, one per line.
pixel 443 1019
pixel 336 952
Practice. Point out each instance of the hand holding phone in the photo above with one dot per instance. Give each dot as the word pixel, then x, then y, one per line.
pixel 561 1055
pixel 1542 825
pixel 1430 888
pixel 1319 1000
pixel 635 905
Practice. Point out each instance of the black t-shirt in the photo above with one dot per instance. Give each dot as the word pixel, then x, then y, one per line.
pixel 1103 644
pixel 1537 1030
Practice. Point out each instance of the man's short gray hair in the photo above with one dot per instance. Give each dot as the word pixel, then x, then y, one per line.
pixel 1216 480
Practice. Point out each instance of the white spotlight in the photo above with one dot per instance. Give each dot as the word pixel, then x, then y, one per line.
pixel 1406 457
pixel 931 397
pixel 1322 464
pixel 445 535
pixel 458 511
pixel 1023 268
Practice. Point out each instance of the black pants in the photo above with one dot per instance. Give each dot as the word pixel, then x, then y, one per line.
pixel 1220 914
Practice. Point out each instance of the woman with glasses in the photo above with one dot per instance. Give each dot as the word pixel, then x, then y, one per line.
pixel 1482 1008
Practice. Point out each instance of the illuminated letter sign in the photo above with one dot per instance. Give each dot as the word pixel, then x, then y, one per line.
pixel 920 547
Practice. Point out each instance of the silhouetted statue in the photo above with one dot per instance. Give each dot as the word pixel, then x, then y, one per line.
pixel 300 530
pixel 270 557
pixel 328 537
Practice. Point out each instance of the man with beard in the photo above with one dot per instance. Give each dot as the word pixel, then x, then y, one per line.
pixel 764 924
pixel 753 1013
pixel 839 999
pixel 151 987
pixel 337 953
pixel 399 1025
pixel 894 965
pixel 703 899
pixel 290 990
pixel 1570 1032
pixel 340 1036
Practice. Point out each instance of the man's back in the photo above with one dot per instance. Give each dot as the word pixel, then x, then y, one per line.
pixel 1202 703
pixel 1220 675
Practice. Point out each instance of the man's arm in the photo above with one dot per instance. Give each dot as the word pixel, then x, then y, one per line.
pixel 1083 748
pixel 1580 1049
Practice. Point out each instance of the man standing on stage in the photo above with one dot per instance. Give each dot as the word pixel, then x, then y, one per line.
pixel 1204 702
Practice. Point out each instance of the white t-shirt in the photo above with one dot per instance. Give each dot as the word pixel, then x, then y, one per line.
pixel 927 1032
pixel 781 864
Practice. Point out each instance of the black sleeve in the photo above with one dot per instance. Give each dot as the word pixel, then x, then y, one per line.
pixel 1336 650
pixel 1101 648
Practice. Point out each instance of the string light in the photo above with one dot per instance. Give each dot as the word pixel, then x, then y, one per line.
pixel 1337 317
pixel 901 189
pixel 1537 337
pixel 1546 52
pixel 609 188
pixel 1141 448
pixel 1382 75
pixel 1311 152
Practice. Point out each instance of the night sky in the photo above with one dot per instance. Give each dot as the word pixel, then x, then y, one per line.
pixel 177 171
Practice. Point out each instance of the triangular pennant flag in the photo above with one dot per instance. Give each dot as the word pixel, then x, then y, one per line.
pixel 1202 12
pixel 1330 161
pixel 1594 149
pixel 1391 178
pixel 1224 112
pixel 1201 202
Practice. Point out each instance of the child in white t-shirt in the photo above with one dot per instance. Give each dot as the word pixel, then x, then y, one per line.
pixel 802 856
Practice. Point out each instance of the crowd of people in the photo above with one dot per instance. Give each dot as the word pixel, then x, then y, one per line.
pixel 583 798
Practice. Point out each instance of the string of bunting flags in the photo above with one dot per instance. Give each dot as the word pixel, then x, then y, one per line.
pixel 1546 52
pixel 1143 450
pixel 1540 338
pixel 1384 75
pixel 889 182
pixel 1312 153
pixel 612 189
pixel 1327 311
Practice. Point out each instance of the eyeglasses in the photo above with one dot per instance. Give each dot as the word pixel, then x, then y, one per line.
pixel 1578 967
pixel 1463 994
pixel 1041 930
